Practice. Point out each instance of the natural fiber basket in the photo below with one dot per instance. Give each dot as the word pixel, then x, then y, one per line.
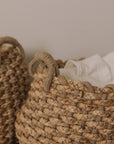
pixel 14 84
pixel 60 111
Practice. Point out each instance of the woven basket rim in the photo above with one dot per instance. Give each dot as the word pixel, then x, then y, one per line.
pixel 49 60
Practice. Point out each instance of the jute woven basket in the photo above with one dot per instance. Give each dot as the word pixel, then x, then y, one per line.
pixel 14 84
pixel 60 111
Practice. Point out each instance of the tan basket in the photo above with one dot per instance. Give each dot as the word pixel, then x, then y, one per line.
pixel 60 111
pixel 14 84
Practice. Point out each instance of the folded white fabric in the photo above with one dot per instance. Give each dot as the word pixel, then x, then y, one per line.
pixel 109 59
pixel 95 69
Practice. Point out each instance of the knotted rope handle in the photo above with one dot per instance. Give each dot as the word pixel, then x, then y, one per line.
pixel 47 59
pixel 110 86
pixel 12 41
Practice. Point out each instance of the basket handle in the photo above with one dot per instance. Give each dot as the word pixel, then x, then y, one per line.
pixel 12 41
pixel 47 59
pixel 110 86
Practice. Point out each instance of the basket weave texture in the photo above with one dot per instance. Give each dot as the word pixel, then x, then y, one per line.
pixel 14 84
pixel 60 111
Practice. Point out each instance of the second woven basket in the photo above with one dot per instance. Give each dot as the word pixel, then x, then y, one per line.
pixel 60 111
pixel 14 85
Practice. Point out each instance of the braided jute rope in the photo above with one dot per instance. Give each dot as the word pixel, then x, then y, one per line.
pixel 14 85
pixel 48 60
pixel 12 41
pixel 60 111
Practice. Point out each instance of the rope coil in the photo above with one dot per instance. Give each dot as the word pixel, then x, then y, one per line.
pixel 12 41
pixel 47 59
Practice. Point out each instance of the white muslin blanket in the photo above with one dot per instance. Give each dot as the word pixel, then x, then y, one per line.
pixel 97 70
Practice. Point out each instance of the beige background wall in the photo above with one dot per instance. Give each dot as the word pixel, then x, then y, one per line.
pixel 65 28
